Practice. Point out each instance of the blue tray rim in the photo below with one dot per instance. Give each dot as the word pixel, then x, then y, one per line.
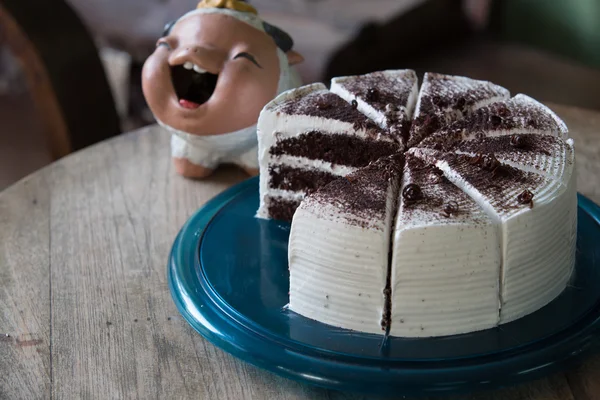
pixel 217 325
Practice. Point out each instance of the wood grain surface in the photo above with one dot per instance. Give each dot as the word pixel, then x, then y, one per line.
pixel 83 288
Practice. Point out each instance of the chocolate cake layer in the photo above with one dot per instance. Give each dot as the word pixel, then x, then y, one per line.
pixel 298 179
pixel 282 209
pixel 334 148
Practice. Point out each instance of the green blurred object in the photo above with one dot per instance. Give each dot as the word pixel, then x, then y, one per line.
pixel 570 28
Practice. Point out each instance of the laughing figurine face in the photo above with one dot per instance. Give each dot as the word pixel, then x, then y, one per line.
pixel 211 74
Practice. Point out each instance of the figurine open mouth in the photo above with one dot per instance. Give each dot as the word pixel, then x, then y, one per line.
pixel 193 85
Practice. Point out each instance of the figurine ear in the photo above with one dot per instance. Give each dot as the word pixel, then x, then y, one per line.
pixel 294 57
pixel 282 39
pixel 167 28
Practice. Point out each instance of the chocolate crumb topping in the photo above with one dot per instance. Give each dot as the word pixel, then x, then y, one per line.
pixel 495 121
pixel 435 178
pixel 426 125
pixel 364 124
pixel 354 104
pixel 412 192
pixel 389 107
pixel 488 162
pixel 328 105
pixel 518 141
pixel 502 110
pixel 364 192
pixel 372 94
pixel 380 89
pixel 526 197
pixel 513 145
pixel 440 101
pixel 450 208
pixel 322 105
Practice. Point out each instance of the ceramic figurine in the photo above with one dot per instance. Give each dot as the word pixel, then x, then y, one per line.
pixel 211 74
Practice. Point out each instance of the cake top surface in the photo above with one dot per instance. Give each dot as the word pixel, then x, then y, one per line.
pixel 321 103
pixel 472 145
pixel 506 189
pixel 381 89
pixel 361 198
pixel 388 97
pixel 442 93
pixel 427 197
pixel 519 143
pixel 445 98
pixel 520 114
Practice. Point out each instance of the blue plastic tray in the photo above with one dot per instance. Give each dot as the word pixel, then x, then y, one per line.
pixel 229 278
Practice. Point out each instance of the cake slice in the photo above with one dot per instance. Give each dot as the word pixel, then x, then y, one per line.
pixel 446 98
pixel 387 97
pixel 538 223
pixel 520 114
pixel 446 258
pixel 339 248
pixel 308 137
pixel 546 155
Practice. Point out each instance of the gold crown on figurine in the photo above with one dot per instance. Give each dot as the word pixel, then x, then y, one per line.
pixel 235 5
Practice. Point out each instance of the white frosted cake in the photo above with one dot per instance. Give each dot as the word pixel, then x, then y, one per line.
pixel 417 213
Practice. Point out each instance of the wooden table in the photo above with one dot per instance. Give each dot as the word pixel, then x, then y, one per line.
pixel 84 295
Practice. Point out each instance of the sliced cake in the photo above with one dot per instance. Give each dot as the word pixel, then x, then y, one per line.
pixel 387 97
pixel 446 258
pixel 446 98
pixel 339 248
pixel 538 224
pixel 474 225
pixel 307 137
pixel 544 154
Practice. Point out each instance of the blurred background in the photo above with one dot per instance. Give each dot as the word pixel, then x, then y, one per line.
pixel 70 70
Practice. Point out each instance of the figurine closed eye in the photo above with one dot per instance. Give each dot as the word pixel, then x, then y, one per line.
pixel 211 74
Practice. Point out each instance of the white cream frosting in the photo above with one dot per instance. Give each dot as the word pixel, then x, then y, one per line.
pixel 444 269
pixel 338 268
pixel 538 243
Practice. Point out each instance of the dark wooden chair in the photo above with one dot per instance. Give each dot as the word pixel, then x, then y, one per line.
pixel 63 71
